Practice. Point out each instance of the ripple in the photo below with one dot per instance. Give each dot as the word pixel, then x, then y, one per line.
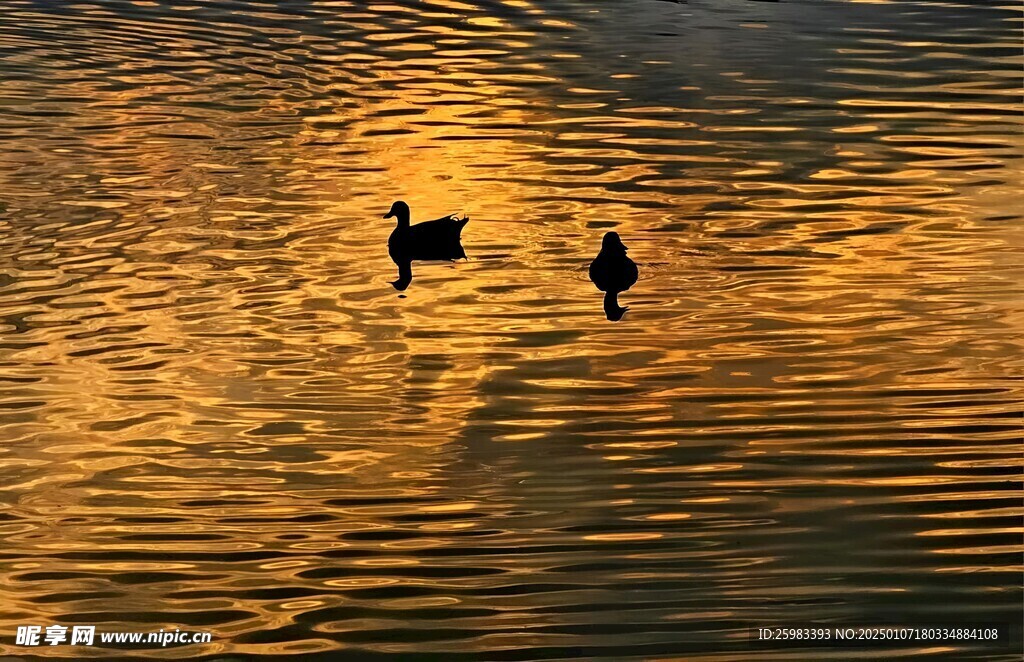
pixel 218 415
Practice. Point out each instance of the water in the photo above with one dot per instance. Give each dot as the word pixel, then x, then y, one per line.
pixel 218 415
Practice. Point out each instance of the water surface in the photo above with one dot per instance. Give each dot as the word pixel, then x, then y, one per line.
pixel 216 413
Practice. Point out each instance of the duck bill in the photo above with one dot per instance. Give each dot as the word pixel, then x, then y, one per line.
pixel 390 214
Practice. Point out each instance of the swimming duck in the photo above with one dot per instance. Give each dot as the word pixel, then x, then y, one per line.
pixel 613 272
pixel 440 239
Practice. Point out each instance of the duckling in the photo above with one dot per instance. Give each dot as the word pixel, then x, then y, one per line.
pixel 612 272
pixel 440 239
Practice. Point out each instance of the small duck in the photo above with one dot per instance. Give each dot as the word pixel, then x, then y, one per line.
pixel 440 239
pixel 613 272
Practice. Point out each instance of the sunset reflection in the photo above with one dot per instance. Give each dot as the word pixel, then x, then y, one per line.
pixel 219 415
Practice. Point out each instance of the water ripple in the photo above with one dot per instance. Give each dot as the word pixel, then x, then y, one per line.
pixel 218 415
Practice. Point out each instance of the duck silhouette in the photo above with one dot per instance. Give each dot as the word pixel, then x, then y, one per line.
pixel 613 272
pixel 440 239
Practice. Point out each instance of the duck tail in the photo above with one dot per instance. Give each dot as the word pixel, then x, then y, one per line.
pixel 460 223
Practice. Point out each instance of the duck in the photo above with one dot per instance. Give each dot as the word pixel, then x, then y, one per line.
pixel 440 239
pixel 613 272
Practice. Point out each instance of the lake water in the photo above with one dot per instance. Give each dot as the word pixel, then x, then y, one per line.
pixel 217 414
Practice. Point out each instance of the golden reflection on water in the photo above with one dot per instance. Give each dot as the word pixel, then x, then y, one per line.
pixel 218 414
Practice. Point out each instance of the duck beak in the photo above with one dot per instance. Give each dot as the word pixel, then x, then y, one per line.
pixel 389 214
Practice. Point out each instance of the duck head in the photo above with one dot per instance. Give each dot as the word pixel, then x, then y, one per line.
pixel 400 210
pixel 612 243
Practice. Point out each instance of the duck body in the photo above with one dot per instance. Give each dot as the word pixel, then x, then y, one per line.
pixel 613 272
pixel 440 239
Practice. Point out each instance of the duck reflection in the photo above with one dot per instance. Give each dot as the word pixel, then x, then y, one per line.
pixel 613 272
pixel 440 239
